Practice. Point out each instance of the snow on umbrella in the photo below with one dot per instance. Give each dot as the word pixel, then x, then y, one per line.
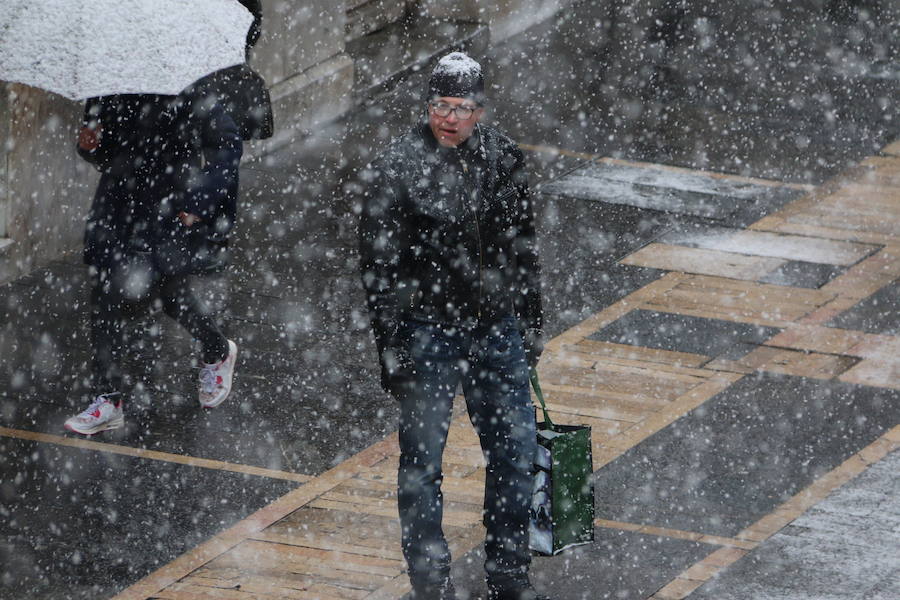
pixel 86 48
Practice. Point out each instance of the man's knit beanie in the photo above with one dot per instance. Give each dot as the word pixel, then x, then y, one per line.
pixel 457 75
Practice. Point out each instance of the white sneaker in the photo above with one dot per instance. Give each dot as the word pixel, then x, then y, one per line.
pixel 215 379
pixel 103 413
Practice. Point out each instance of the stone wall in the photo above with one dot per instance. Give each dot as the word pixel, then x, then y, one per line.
pixel 301 56
pixel 45 189
pixel 504 17
pixel 366 16
pixel 4 162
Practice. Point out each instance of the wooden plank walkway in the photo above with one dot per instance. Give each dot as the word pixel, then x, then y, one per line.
pixel 337 536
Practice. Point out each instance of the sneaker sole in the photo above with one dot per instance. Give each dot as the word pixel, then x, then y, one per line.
pixel 112 424
pixel 215 403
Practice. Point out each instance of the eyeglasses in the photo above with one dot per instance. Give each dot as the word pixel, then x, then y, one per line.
pixel 443 110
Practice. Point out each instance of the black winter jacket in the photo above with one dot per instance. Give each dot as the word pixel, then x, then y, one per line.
pixel 159 155
pixel 447 236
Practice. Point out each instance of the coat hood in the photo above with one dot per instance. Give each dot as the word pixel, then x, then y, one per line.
pixel 243 94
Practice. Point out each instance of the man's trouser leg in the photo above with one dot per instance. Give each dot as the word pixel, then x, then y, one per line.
pixel 499 403
pixel 425 409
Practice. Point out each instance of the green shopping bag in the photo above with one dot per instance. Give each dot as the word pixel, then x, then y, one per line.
pixel 562 501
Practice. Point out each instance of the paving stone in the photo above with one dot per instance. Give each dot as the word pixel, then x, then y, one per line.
pixel 283 207
pixel 604 234
pixel 715 263
pixel 867 530
pixel 33 414
pixel 789 362
pixel 616 565
pixel 63 496
pixel 875 314
pixel 731 461
pixel 856 501
pixel 795 570
pixel 797 273
pixel 59 279
pixel 829 553
pixel 273 401
pixel 35 311
pixel 764 243
pixel 886 589
pixel 681 333
pixel 671 191
pixel 880 475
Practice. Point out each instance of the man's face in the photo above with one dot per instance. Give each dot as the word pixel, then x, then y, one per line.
pixel 451 131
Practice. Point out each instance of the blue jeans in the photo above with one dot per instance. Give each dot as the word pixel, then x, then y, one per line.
pixel 489 362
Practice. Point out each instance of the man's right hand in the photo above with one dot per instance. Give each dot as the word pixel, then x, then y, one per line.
pixel 533 339
pixel 397 371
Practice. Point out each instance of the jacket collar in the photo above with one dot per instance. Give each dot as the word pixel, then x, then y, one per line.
pixel 474 146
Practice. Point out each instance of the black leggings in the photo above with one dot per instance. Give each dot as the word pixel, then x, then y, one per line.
pixel 112 306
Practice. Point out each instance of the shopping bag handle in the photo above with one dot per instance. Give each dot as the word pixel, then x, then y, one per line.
pixel 540 396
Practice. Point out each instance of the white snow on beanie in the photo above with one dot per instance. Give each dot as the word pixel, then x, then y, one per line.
pixel 457 64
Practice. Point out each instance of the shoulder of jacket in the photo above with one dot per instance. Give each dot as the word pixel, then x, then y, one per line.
pixel 397 153
pixel 499 141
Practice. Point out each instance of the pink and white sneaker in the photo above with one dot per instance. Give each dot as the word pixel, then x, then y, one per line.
pixel 215 379
pixel 105 412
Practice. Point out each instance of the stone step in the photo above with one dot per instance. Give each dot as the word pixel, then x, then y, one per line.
pixel 367 16
pixel 385 57
pixel 672 190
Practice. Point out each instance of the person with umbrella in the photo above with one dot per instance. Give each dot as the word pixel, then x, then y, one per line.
pixel 450 268
pixel 164 206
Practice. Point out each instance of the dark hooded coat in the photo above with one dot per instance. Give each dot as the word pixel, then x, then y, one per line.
pixel 244 96
pixel 447 236
pixel 162 155
pixel 158 156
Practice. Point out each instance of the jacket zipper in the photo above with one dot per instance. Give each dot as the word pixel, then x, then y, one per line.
pixel 474 211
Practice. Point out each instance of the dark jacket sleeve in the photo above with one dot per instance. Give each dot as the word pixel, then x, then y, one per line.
pixel 383 236
pixel 528 276
pixel 529 311
pixel 213 194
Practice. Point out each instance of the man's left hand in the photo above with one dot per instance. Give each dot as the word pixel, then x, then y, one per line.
pixel 534 345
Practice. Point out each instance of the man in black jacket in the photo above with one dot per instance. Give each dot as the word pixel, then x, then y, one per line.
pixel 450 268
